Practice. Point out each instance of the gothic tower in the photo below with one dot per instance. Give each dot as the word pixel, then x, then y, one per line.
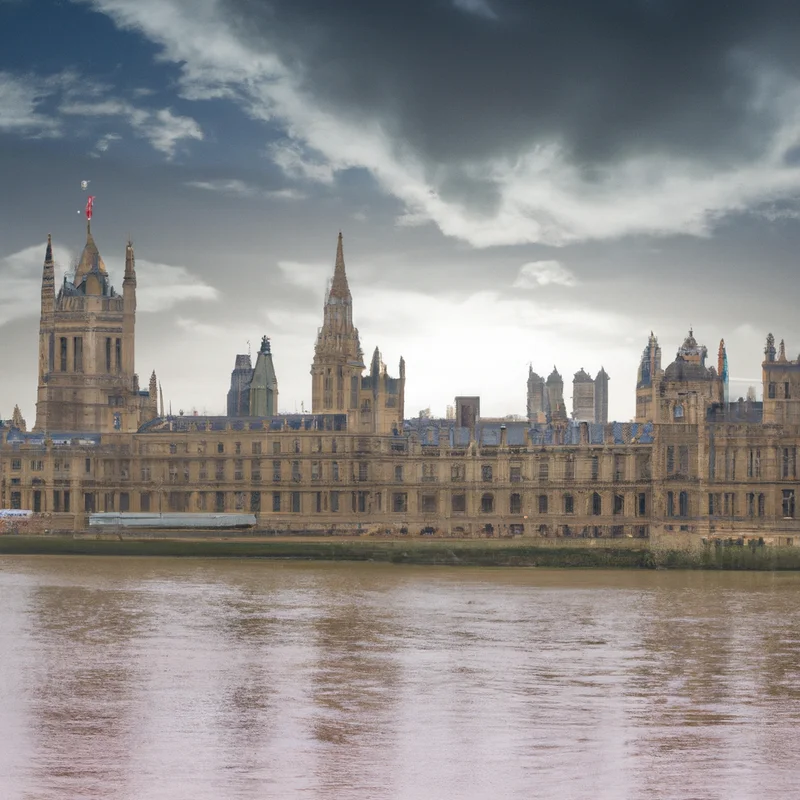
pixel 647 381
pixel 86 349
pixel 583 396
pixel 601 396
pixel 537 398
pixel 555 392
pixel 338 358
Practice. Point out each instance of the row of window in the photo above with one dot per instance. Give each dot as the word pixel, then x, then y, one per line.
pixel 786 463
pixel 724 504
pixel 256 448
pixel 113 355
pixel 719 504
pixel 772 391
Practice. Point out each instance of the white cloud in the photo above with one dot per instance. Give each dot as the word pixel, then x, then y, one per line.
pixel 238 188
pixel 20 98
pixel 311 277
pixel 103 143
pixel 160 286
pixel 543 273
pixel 22 280
pixel 163 129
pixel 543 197
pixel 298 163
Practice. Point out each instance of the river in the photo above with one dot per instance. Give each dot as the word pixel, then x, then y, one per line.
pixel 148 678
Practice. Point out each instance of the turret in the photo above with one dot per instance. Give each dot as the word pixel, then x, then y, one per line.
pixel 583 396
pixel 46 334
pixel 128 312
pixel 601 396
pixel 555 391
pixel 769 350
pixel 537 401
pixel 647 382
pixel 264 384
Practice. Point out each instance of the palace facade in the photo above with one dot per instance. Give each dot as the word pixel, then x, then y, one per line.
pixel 692 463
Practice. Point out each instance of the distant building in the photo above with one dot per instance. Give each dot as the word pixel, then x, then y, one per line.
pixel 254 390
pixel 239 393
pixel 582 397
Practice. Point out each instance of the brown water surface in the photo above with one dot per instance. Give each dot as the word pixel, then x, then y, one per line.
pixel 147 678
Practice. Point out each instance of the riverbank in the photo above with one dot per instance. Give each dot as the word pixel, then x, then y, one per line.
pixel 455 552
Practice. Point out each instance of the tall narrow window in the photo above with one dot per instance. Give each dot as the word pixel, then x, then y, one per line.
pixel 595 468
pixel 77 351
pixel 788 503
pixel 118 355
pixel 683 504
pixel 108 354
pixel 62 344
pixel 597 505
pixel 670 504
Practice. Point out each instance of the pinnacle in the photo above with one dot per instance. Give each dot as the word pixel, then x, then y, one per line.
pixel 339 287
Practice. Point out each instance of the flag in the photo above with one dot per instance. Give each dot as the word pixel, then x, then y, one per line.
pixel 89 204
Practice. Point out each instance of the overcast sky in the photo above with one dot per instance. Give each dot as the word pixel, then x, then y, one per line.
pixel 517 182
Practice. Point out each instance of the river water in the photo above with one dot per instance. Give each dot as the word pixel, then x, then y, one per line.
pixel 153 678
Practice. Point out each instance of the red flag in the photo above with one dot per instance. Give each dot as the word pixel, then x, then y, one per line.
pixel 89 204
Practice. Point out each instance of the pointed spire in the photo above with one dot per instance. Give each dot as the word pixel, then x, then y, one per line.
pixel 17 420
pixel 90 258
pixel 48 254
pixel 161 401
pixel 130 261
pixel 375 367
pixel 153 389
pixel 782 351
pixel 339 287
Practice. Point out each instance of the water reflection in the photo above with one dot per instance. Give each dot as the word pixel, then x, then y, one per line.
pixel 133 678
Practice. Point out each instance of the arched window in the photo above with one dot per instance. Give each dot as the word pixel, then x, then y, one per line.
pixel 597 504
pixel 683 504
pixel 487 503
pixel 515 505
pixel 544 530
pixel 679 411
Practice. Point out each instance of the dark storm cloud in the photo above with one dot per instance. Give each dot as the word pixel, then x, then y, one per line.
pixel 604 79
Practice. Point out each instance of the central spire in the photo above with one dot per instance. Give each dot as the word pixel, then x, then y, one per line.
pixel 90 258
pixel 339 288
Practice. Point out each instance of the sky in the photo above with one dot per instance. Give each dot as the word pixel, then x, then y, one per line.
pixel 518 182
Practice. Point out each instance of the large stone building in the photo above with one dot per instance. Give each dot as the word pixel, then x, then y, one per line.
pixel 690 464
